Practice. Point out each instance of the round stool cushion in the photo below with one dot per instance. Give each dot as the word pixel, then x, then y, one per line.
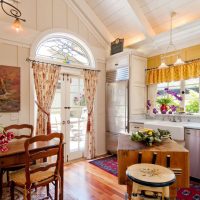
pixel 151 175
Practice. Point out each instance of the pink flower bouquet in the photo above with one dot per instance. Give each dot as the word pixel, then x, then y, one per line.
pixel 5 137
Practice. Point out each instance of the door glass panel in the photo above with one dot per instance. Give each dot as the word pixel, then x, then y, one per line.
pixel 74 142
pixel 78 115
pixel 56 110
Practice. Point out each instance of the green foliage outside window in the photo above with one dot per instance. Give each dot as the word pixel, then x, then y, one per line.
pixel 193 104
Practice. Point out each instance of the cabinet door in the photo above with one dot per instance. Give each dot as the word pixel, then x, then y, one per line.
pixel 137 99
pixel 137 86
pixel 137 70
pixel 117 61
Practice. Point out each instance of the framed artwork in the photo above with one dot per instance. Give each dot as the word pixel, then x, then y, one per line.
pixel 117 46
pixel 9 89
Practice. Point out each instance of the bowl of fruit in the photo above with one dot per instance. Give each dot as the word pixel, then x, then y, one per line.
pixel 149 136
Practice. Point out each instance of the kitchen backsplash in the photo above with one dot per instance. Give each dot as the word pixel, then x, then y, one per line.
pixel 176 117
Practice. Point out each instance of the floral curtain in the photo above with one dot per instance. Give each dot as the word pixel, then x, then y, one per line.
pixel 174 73
pixel 45 77
pixel 90 82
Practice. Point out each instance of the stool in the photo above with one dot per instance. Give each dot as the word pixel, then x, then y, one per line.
pixel 150 177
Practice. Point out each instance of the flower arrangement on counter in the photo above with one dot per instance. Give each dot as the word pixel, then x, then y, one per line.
pixel 165 101
pixel 149 136
pixel 5 137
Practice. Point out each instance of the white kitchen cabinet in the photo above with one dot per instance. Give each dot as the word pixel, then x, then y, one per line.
pixel 137 87
pixel 117 60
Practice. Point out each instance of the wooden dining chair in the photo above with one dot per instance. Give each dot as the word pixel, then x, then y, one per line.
pixel 18 128
pixel 42 173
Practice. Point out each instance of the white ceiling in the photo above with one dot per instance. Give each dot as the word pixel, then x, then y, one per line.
pixel 116 16
pixel 157 12
pixel 145 24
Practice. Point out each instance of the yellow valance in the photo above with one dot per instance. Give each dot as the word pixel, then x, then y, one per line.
pixel 174 73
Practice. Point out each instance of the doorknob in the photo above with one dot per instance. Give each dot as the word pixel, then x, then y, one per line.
pixel 68 121
pixel 63 122
pixel 67 107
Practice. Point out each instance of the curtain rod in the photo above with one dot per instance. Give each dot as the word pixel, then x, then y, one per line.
pixel 186 62
pixel 30 60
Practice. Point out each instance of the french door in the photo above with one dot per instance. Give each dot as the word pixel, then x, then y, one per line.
pixel 69 115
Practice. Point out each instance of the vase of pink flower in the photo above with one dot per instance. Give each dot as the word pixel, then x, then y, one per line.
pixel 5 137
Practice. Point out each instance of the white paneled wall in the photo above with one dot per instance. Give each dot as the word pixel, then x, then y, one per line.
pixel 100 112
pixel 60 14
pixel 51 14
pixel 11 55
pixel 41 16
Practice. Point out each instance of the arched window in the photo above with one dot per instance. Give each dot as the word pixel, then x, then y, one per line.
pixel 65 49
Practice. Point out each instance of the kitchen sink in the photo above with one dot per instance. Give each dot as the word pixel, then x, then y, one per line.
pixel 176 128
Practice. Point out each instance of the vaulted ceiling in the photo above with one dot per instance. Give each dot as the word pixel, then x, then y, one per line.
pixel 145 24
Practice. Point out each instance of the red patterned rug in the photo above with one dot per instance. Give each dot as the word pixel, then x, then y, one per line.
pixel 110 165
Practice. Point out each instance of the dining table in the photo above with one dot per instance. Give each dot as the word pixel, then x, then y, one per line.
pixel 15 155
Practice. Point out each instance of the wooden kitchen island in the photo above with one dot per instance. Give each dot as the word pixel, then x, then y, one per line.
pixel 128 151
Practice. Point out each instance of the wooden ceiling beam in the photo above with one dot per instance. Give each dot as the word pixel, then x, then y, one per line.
pixel 143 22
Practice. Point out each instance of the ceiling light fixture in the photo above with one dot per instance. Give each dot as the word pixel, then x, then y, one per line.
pixel 13 12
pixel 170 47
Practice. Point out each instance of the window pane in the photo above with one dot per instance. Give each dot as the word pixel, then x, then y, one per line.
pixel 174 84
pixel 192 95
pixel 63 49
pixel 192 81
pixel 169 95
pixel 56 119
pixel 162 85
pixel 57 100
pixel 74 144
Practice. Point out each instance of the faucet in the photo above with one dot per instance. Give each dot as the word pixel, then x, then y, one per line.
pixel 174 119
pixel 179 118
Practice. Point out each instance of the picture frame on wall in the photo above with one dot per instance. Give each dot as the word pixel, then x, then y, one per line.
pixel 9 89
pixel 117 46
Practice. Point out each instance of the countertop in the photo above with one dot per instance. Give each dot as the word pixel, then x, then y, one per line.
pixel 126 144
pixel 192 125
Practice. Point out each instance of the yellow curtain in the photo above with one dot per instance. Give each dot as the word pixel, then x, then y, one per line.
pixel 174 73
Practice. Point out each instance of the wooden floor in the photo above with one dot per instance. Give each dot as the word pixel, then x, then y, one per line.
pixel 84 181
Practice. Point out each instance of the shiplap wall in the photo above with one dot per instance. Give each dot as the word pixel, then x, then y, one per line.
pixel 48 14
pixel 12 55
pixel 42 15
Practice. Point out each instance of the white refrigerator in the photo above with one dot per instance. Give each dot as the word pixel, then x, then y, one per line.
pixel 117 107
